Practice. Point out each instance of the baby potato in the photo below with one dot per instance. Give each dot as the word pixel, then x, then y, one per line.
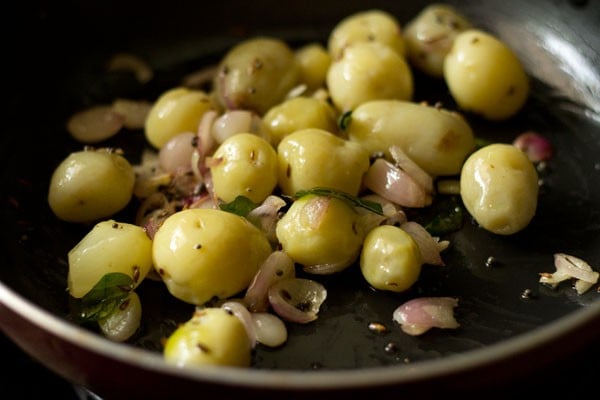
pixel 368 71
pixel 244 165
pixel 109 247
pixel 429 37
pixel 436 139
pixel 176 111
pixel 390 259
pixel 314 61
pixel 366 26
pixel 212 336
pixel 499 187
pixel 298 113
pixel 319 230
pixel 90 185
pixel 201 254
pixel 256 74
pixel 313 157
pixel 485 76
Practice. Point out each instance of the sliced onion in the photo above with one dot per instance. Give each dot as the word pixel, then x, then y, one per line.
pixel 266 216
pixel 233 122
pixel 429 245
pixel 297 299
pixel 270 329
pixel 176 154
pixel 276 267
pixel 536 146
pixel 395 185
pixel 419 315
pixel 95 124
pixel 124 321
pixel 240 311
pixel 201 77
pixel 328 269
pixel 129 62
pixel 206 141
pixel 405 163
pixel 135 112
pixel 570 267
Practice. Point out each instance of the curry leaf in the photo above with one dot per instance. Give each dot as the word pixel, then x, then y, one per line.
pixel 352 200
pixel 344 120
pixel 105 297
pixel 446 215
pixel 241 206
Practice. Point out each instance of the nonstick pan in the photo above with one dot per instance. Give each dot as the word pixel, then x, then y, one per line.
pixel 59 67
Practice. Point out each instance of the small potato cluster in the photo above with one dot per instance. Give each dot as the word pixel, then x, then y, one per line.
pixel 311 157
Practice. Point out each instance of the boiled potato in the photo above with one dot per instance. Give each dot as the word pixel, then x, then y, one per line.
pixel 366 26
pixel 90 185
pixel 109 247
pixel 212 336
pixel 368 71
pixel 314 61
pixel 313 157
pixel 202 254
pixel 298 113
pixel 429 37
pixel 499 187
pixel 319 230
pixel 244 165
pixel 256 74
pixel 485 76
pixel 437 140
pixel 176 111
pixel 390 259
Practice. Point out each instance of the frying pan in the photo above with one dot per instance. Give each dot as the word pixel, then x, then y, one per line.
pixel 59 67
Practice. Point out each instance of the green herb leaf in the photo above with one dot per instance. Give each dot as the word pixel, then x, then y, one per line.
pixel 241 206
pixel 353 200
pixel 105 297
pixel 446 215
pixel 344 120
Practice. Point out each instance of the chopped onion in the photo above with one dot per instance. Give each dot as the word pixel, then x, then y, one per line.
pixel 233 122
pixel 570 267
pixel 266 215
pixel 240 311
pixel 124 321
pixel 135 112
pixel 395 185
pixel 276 267
pixel 537 147
pixel 405 163
pixel 297 299
pixel 419 315
pixel 95 124
pixel 130 62
pixel 270 329
pixel 176 154
pixel 201 77
pixel 429 245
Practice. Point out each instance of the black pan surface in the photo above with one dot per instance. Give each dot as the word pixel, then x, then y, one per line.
pixel 62 70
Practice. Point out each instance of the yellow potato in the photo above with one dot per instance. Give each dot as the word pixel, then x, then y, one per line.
pixel 499 187
pixel 109 247
pixel 298 113
pixel 202 254
pixel 244 165
pixel 320 230
pixel 90 185
pixel 314 61
pixel 366 26
pixel 212 336
pixel 314 157
pixel 368 71
pixel 485 76
pixel 437 140
pixel 390 259
pixel 176 111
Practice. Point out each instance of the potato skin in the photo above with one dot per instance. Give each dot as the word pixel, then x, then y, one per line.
pixel 499 188
pixel 256 74
pixel 437 140
pixel 313 157
pixel 202 254
pixel 366 26
pixel 90 185
pixel 244 165
pixel 390 259
pixel 368 71
pixel 212 336
pixel 110 246
pixel 314 61
pixel 320 230
pixel 485 76
pixel 176 111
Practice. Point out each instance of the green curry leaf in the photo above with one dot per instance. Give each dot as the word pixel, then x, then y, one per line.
pixel 104 298
pixel 352 200
pixel 241 206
